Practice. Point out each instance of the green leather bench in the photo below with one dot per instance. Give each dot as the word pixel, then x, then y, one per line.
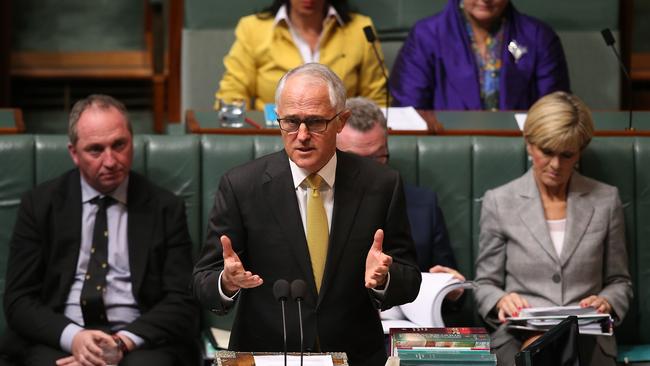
pixel 459 168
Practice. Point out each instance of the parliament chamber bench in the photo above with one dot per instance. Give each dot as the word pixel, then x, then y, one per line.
pixel 459 168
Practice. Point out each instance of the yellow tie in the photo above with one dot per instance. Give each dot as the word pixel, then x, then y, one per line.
pixel 317 232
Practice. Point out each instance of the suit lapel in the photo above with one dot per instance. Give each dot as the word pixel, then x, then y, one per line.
pixel 67 221
pixel 277 186
pixel 531 213
pixel 140 225
pixel 579 214
pixel 347 197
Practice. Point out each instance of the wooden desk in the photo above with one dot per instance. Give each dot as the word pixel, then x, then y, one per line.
pixel 453 123
pixel 502 123
pixel 208 122
pixel 11 121
pixel 231 358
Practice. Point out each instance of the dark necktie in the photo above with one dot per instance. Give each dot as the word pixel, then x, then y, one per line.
pixel 92 299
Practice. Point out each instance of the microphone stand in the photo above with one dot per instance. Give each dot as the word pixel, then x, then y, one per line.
pixel 298 293
pixel 610 41
pixel 281 293
pixel 299 301
pixel 371 38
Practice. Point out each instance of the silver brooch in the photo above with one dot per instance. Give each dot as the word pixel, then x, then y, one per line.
pixel 516 50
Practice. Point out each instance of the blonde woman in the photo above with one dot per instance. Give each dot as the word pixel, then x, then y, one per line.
pixel 553 237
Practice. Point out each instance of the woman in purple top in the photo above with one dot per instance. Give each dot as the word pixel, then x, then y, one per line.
pixel 475 55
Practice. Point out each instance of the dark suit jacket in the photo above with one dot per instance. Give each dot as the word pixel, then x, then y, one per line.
pixel 428 229
pixel 256 207
pixel 45 247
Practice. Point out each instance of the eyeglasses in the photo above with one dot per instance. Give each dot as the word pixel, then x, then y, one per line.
pixel 313 124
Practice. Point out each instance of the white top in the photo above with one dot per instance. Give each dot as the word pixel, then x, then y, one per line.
pixel 557 228
pixel 303 46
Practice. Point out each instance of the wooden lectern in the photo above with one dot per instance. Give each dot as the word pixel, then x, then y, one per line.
pixel 232 358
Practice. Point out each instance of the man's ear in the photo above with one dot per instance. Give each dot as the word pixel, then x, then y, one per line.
pixel 343 119
pixel 72 150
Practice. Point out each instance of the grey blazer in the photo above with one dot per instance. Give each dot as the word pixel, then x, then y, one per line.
pixel 516 253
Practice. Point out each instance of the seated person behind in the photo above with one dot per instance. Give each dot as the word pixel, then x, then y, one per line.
pixel 478 55
pixel 365 134
pixel 100 258
pixel 292 32
pixel 553 237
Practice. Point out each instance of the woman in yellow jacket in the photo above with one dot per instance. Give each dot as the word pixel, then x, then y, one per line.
pixel 290 33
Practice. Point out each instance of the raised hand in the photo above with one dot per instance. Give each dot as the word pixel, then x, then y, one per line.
pixel 377 263
pixel 234 276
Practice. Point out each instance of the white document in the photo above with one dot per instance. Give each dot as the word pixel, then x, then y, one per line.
pixel 405 118
pixel 521 119
pixel 308 360
pixel 543 318
pixel 425 310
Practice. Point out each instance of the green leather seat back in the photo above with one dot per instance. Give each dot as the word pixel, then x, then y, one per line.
pixel 403 152
pixel 445 166
pixel 611 160
pixel 641 256
pixel 17 159
pixel 173 162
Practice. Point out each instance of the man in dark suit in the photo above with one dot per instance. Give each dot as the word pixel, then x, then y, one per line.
pixel 310 212
pixel 365 134
pixel 100 258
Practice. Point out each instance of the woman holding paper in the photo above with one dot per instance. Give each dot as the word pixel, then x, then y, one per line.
pixel 553 237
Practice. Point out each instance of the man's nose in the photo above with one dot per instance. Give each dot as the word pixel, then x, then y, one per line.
pixel 109 158
pixel 303 132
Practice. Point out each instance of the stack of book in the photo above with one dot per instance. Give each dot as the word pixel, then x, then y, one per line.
pixel 441 346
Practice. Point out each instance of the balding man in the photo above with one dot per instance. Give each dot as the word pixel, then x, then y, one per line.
pixel 310 212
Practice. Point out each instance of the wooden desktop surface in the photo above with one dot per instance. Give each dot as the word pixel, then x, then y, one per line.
pixel 231 358
pixel 500 123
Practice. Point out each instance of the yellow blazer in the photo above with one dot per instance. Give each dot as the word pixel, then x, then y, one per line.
pixel 263 53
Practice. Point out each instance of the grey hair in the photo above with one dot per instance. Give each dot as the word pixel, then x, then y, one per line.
pixel 335 87
pixel 101 101
pixel 364 114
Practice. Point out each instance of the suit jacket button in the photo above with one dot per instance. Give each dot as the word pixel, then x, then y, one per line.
pixel 557 278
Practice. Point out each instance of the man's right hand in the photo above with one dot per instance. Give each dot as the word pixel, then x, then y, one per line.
pixel 85 348
pixel 234 276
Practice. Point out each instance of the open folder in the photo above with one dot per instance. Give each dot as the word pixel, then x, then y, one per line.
pixel 426 310
pixel 544 318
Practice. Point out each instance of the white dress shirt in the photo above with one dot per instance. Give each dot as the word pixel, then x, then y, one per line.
pixel 121 306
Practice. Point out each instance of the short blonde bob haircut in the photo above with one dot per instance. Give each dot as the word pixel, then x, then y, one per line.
pixel 559 122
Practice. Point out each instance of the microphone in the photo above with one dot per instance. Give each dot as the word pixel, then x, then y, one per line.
pixel 610 41
pixel 371 38
pixel 281 294
pixel 298 289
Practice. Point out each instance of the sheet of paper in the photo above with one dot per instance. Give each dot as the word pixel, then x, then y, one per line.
pixel 222 337
pixel 405 118
pixel 557 310
pixel 420 311
pixel 521 119
pixel 278 360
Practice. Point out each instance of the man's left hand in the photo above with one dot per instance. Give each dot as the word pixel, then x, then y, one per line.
pixel 377 263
